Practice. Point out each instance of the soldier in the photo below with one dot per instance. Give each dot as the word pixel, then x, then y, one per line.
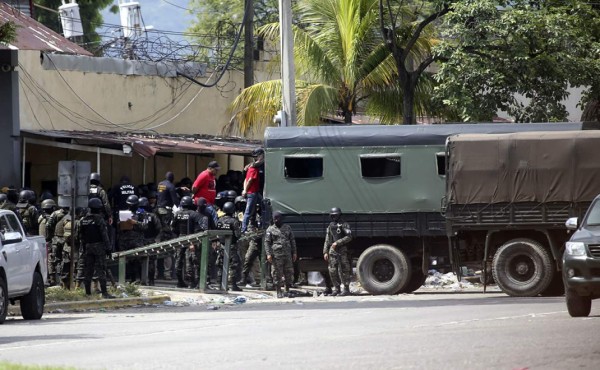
pixel 57 242
pixel 27 212
pixel 186 222
pixel 92 235
pixel 335 252
pixel 5 203
pixel 253 251
pixel 97 191
pixel 131 236
pixel 280 247
pixel 229 222
pixel 167 198
pixel 151 232
pixel 48 207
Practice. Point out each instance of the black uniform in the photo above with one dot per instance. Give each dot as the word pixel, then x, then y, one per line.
pixel 151 232
pixel 186 222
pixel 231 223
pixel 121 193
pixel 93 240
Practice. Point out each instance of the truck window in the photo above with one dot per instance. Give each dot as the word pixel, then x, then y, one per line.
pixel 303 167
pixel 13 222
pixel 440 159
pixel 380 165
pixel 593 218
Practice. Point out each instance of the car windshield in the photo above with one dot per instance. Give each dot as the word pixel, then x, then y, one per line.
pixel 593 218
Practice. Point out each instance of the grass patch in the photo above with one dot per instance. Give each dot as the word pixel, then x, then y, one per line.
pixel 58 294
pixel 9 366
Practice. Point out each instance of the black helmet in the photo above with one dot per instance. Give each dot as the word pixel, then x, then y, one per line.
pixel 229 208
pixel 48 204
pixel 230 195
pixel 240 199
pixel 46 195
pixel 95 178
pixel 144 203
pixel 132 200
pixel 335 213
pixel 24 196
pixel 186 202
pixel 96 203
pixel 258 151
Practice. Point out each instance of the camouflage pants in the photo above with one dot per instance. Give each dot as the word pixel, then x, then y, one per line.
pixel 282 267
pixel 234 265
pixel 193 265
pixel 55 260
pixel 94 260
pixel 340 269
pixel 252 254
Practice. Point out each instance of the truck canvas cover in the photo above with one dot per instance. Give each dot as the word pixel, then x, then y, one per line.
pixel 538 167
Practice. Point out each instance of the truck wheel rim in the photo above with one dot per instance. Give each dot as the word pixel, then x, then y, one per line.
pixel 522 268
pixel 383 270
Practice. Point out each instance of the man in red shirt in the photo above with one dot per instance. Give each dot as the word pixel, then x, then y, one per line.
pixel 205 187
pixel 252 186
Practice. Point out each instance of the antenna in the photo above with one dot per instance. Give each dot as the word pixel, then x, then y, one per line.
pixel 70 19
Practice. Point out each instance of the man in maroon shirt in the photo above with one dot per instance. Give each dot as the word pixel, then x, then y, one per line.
pixel 205 187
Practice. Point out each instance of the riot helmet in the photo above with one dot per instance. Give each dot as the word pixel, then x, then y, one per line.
pixel 95 204
pixel 48 204
pixel 186 202
pixel 229 208
pixel 132 200
pixel 240 203
pixel 335 214
pixel 230 195
pixel 144 203
pixel 201 203
pixel 95 178
pixel 24 196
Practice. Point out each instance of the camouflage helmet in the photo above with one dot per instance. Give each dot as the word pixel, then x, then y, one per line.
pixel 48 204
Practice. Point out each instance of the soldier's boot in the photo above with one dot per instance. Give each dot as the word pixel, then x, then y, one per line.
pixel 327 291
pixel 336 291
pixel 346 291
pixel 105 293
pixel 88 288
pixel 193 284
pixel 287 291
pixel 279 292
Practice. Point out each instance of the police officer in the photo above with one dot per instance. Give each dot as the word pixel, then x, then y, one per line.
pixel 92 235
pixel 151 232
pixel 27 212
pixel 280 246
pixel 97 191
pixel 131 236
pixel 229 222
pixel 48 207
pixel 5 203
pixel 167 198
pixel 121 193
pixel 335 252
pixel 185 222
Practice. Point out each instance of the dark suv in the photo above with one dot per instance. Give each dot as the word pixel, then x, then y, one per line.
pixel 581 262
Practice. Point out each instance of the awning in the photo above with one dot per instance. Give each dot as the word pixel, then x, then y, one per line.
pixel 144 144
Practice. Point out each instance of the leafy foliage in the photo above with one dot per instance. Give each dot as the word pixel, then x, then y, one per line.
pixel 495 53
pixel 8 32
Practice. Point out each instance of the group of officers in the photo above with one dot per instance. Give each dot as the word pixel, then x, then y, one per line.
pixel 98 231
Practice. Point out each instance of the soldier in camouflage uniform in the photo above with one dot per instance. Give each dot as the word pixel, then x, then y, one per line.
pixel 92 237
pixel 186 222
pixel 152 230
pixel 335 252
pixel 48 207
pixel 5 203
pixel 229 222
pixel 280 246
pixel 55 237
pixel 131 236
pixel 27 212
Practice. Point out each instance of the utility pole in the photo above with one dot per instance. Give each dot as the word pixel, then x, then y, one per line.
pixel 287 63
pixel 249 44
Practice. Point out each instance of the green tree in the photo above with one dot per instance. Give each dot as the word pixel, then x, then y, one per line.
pixel 496 52
pixel 8 32
pixel 342 61
pixel 89 11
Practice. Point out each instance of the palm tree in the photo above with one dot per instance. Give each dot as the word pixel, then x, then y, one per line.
pixel 342 61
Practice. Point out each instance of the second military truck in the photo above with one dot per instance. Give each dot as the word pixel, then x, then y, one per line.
pixel 389 182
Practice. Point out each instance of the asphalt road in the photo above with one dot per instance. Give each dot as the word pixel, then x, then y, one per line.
pixel 421 331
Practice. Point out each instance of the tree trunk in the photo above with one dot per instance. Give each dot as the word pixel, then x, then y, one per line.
pixel 591 112
pixel 408 95
pixel 347 116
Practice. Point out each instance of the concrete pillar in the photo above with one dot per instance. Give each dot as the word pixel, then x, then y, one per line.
pixel 10 135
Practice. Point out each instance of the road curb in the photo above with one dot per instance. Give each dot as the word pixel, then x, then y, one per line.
pixel 96 304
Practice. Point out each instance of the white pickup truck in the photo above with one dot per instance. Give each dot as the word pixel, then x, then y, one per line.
pixel 23 268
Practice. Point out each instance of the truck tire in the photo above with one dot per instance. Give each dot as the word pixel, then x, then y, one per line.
pixel 577 305
pixel 32 304
pixel 3 299
pixel 383 269
pixel 522 268
pixel 417 279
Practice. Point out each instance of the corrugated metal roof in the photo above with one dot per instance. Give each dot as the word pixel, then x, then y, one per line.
pixel 148 145
pixel 32 35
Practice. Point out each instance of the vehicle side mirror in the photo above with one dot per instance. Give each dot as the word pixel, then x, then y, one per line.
pixel 571 223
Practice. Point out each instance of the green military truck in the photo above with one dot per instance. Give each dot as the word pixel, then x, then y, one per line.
pixel 389 182
pixel 508 197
